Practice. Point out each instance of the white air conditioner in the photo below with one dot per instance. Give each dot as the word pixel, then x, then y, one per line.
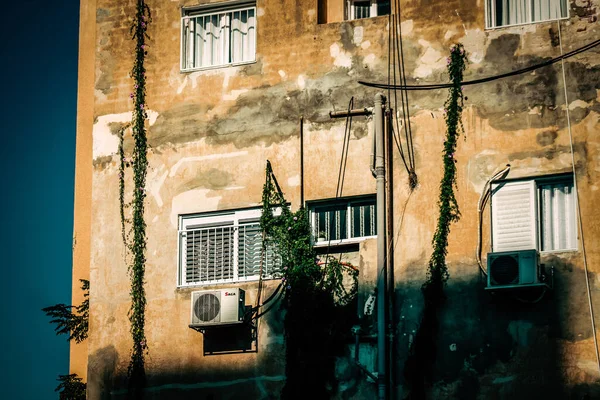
pixel 514 270
pixel 217 307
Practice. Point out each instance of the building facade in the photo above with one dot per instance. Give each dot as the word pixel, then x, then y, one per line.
pixel 233 84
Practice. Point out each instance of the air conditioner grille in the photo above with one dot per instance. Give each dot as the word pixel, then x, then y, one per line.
pixel 207 307
pixel 504 270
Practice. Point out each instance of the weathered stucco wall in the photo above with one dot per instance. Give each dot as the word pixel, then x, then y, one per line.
pixel 83 173
pixel 211 132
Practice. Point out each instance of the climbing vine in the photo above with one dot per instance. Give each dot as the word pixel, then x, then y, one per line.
pixel 448 207
pixel 316 298
pixel 134 239
pixel 422 353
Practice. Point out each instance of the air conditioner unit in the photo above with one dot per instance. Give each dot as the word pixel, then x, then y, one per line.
pixel 217 307
pixel 515 270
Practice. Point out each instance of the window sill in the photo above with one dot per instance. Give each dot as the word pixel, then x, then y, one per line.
pixel 555 252
pixel 386 16
pixel 214 67
pixel 342 242
pixel 493 28
pixel 221 283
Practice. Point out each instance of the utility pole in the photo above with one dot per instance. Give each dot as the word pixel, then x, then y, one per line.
pixel 381 250
pixel 379 172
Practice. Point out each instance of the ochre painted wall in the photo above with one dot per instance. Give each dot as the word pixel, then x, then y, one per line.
pixel 83 171
pixel 211 131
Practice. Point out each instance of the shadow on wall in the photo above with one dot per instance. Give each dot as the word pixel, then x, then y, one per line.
pixel 495 346
pixel 488 347
pixel 230 379
pixel 102 366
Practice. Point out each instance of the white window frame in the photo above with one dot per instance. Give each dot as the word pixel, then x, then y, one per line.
pixel 226 9
pixel 234 219
pixel 490 15
pixel 536 187
pixel 349 202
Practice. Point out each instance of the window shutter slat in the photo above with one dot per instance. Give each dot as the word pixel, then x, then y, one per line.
pixel 514 216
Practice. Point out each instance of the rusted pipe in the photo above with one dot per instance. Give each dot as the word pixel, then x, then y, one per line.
pixel 357 112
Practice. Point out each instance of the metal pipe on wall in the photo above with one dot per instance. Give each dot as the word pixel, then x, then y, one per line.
pixel 301 161
pixel 389 198
pixel 381 250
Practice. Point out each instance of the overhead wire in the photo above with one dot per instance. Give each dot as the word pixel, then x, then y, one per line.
pixel 343 162
pixel 397 72
pixel 392 66
pixel 585 264
pixel 549 62
pixel 345 146
pixel 403 93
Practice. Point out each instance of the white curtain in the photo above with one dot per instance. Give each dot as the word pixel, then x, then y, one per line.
pixel 243 38
pixel 559 229
pixel 515 12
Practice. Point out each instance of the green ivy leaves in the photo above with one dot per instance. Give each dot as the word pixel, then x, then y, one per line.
pixel 135 241
pixel 448 206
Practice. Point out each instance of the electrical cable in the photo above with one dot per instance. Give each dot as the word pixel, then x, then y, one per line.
pixel 490 78
pixel 396 65
pixel 267 301
pixel 392 67
pixel 272 296
pixel 403 93
pixel 344 156
pixel 585 265
pixel 485 195
pixel 343 162
pixel 257 316
pixel 397 59
pixel 269 176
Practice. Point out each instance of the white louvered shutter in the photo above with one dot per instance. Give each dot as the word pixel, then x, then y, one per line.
pixel 514 216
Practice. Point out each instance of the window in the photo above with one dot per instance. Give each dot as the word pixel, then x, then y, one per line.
pixel 517 12
pixel 534 214
pixel 343 220
pixel 360 9
pixel 215 36
pixel 223 247
pixel 357 9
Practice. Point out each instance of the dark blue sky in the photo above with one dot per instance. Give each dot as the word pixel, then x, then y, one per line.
pixel 37 161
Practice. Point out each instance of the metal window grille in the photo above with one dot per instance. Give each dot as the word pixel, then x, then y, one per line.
pixel 362 9
pixel 218 38
pixel 340 220
pixel 228 253
pixel 250 252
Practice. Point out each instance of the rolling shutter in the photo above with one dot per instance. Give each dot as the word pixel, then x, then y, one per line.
pixel 514 216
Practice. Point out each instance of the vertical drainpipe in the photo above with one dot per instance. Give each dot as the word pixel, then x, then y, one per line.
pixel 302 161
pixel 389 203
pixel 381 241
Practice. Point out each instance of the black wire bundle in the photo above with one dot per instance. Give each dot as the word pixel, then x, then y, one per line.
pixel 396 61
pixel 551 61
